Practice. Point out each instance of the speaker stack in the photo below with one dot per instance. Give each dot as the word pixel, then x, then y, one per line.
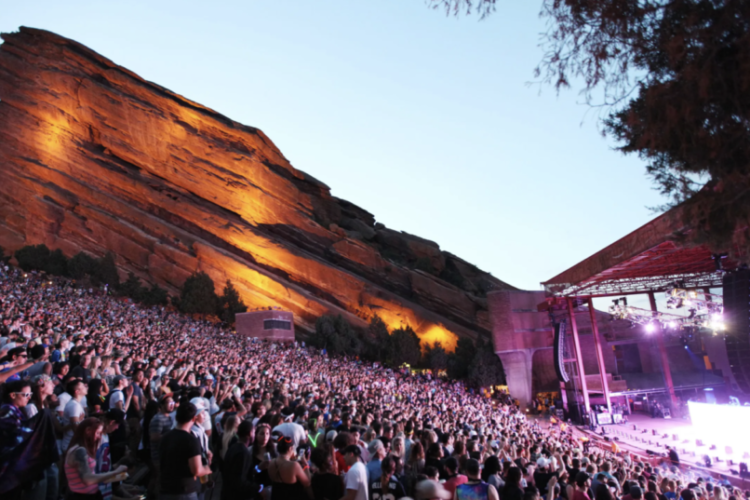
pixel 737 320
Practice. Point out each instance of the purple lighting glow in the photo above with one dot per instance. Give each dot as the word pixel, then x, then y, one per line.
pixel 650 328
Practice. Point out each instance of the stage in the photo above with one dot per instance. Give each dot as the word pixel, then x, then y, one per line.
pixel 654 434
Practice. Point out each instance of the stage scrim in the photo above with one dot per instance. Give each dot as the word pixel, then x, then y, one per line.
pixel 721 425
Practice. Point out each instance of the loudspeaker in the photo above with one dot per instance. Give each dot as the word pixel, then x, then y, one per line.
pixel 653 432
pixel 712 447
pixel 698 442
pixel 736 293
pixel 635 427
pixel 562 374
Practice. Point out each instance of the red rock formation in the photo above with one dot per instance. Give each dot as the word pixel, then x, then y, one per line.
pixel 95 158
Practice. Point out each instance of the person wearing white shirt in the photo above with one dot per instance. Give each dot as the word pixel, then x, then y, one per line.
pixel 355 480
pixel 291 430
pixel 74 411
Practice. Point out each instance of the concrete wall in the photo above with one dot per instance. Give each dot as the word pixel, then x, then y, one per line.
pixel 522 337
pixel 251 324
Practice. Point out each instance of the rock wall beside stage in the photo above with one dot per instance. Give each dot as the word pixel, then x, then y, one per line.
pixel 95 158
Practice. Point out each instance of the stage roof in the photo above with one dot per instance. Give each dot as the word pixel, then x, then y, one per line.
pixel 650 259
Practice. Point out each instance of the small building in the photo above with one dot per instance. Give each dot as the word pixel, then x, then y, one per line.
pixel 270 324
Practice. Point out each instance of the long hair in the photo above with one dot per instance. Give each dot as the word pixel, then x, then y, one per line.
pixel 84 436
pixel 416 453
pixel 230 431
pixel 491 466
pixel 393 446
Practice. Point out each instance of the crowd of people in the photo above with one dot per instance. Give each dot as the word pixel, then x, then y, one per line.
pixel 106 399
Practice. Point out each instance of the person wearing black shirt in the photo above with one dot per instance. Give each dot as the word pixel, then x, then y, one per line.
pixel 543 474
pixel 512 489
pixel 180 459
pixel 574 470
pixel 673 456
pixel 325 484
pixel 236 470
pixel 386 487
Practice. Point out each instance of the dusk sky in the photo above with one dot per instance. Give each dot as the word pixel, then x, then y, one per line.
pixel 432 123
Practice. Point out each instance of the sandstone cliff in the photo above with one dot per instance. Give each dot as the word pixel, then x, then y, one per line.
pixel 94 158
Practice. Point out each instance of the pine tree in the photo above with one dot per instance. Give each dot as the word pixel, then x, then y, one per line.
pixel 198 295
pixel 81 265
pixel 324 336
pixel 230 303
pixel 132 288
pixel 376 340
pixel 105 272
pixel 351 345
pixel 435 357
pixel 460 360
pixel 403 347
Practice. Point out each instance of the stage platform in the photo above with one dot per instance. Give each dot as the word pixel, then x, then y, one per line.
pixel 654 434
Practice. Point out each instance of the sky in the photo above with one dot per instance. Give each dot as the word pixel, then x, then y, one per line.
pixel 432 123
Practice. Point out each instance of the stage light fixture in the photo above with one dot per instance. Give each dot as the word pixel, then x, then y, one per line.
pixel 650 328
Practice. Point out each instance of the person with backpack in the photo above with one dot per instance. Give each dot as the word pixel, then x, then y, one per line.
pixel 121 394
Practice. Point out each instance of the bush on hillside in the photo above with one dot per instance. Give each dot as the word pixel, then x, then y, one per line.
pixel 105 271
pixel 81 265
pixel 5 259
pixel 435 357
pixel 155 296
pixel 57 264
pixel 32 257
pixel 336 335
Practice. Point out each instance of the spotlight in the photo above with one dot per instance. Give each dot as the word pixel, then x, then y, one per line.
pixel 650 328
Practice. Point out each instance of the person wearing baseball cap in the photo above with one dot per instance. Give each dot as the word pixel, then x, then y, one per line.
pixel 178 448
pixel 355 480
pixel 583 482
pixel 198 429
pixel 290 429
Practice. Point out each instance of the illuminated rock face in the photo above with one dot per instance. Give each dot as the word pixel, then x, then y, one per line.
pixel 94 158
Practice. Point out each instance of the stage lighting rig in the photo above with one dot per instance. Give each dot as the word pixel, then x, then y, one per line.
pixel 705 311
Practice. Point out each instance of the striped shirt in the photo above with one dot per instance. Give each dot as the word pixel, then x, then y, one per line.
pixel 75 482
